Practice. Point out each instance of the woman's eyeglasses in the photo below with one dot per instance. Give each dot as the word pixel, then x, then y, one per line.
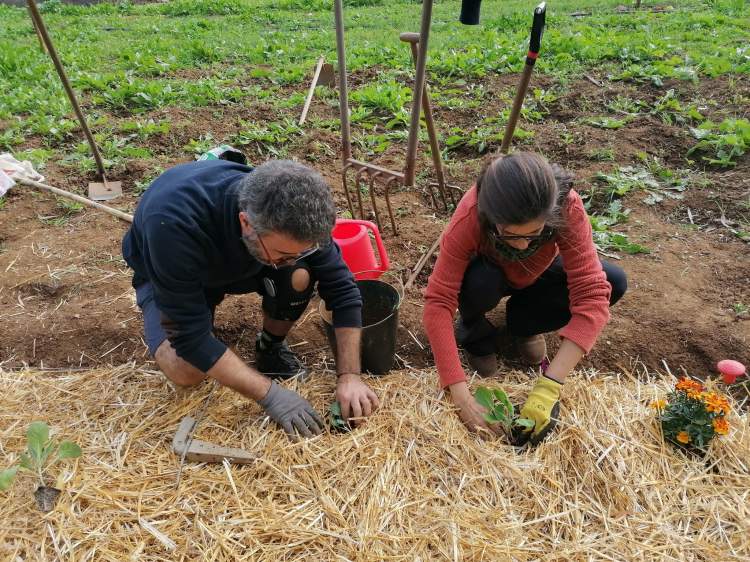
pixel 498 234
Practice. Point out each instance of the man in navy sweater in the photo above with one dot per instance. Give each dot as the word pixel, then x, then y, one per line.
pixel 210 228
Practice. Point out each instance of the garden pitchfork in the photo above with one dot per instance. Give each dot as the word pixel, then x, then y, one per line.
pixel 365 171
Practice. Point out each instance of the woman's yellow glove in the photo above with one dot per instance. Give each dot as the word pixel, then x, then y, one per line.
pixel 540 407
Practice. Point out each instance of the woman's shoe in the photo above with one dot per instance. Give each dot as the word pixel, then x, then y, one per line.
pixel 532 350
pixel 484 365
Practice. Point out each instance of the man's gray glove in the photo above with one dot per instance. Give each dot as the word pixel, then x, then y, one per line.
pixel 291 411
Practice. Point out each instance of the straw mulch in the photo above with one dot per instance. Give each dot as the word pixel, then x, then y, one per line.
pixel 410 485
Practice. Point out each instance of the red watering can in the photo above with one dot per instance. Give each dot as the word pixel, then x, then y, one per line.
pixel 353 238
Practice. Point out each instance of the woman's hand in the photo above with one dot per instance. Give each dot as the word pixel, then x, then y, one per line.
pixel 469 410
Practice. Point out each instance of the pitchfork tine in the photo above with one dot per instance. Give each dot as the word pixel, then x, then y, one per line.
pixel 344 171
pixel 357 180
pixel 373 177
pixel 388 202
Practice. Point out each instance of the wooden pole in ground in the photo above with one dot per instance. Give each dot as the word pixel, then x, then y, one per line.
pixel 413 140
pixel 36 31
pixel 346 143
pixel 311 91
pixel 42 30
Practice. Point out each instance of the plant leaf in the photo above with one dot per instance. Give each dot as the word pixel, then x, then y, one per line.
pixel 490 418
pixel 25 462
pixel 525 423
pixel 69 450
pixel 483 395
pixel 7 476
pixel 37 436
pixel 502 397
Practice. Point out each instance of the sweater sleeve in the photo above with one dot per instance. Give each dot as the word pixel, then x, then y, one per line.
pixel 457 247
pixel 337 287
pixel 173 266
pixel 588 288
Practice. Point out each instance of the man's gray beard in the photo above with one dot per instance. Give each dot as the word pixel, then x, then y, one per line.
pixel 255 251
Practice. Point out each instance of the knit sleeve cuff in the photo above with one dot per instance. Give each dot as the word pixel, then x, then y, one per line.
pixel 348 317
pixel 583 332
pixel 205 354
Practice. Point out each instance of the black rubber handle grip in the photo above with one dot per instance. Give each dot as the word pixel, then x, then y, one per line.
pixel 470 12
pixel 537 28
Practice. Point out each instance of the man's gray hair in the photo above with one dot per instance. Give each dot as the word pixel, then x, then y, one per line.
pixel 287 197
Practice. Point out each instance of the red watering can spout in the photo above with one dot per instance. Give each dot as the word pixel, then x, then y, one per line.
pixel 353 237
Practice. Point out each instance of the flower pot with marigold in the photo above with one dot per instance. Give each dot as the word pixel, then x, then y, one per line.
pixel 691 416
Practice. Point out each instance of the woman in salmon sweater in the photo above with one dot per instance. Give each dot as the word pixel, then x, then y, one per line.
pixel 520 232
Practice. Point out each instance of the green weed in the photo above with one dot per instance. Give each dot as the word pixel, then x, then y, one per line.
pixel 270 137
pixel 145 129
pixel 724 142
pixel 606 122
pixel 200 145
pixel 144 183
pixel 669 109
pixel 487 136
pixel 603 154
pixel 68 208
pixel 385 99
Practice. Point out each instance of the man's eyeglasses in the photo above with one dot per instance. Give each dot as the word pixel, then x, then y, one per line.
pixel 498 234
pixel 284 261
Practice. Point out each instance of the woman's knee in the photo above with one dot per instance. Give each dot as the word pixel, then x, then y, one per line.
pixel 483 286
pixel 618 279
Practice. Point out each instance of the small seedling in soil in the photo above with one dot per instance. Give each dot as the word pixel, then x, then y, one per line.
pixel 336 419
pixel 41 453
pixel 501 411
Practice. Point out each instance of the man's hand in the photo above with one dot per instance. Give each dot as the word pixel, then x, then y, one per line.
pixel 291 412
pixel 469 410
pixel 539 405
pixel 355 397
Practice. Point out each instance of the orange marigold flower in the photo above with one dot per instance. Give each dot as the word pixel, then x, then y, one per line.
pixel 683 437
pixel 688 385
pixel 695 394
pixel 721 426
pixel 658 404
pixel 716 404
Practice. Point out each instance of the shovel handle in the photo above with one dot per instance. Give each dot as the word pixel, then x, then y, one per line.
pixel 537 30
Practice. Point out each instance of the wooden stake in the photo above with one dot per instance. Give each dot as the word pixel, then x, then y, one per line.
pixel 311 91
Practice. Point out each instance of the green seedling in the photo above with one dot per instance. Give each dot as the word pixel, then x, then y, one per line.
pixel 41 453
pixel 500 410
pixel 336 419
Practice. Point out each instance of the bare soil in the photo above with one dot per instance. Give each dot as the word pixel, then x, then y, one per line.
pixel 66 300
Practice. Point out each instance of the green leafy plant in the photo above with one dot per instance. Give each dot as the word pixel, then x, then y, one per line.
pixel 144 129
pixel 41 454
pixel 269 137
pixel 336 419
pixel 726 141
pixel 500 410
pixel 385 98
pixel 606 122
pixel 691 416
pixel 671 111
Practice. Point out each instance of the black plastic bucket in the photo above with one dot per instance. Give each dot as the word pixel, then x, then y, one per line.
pixel 380 304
